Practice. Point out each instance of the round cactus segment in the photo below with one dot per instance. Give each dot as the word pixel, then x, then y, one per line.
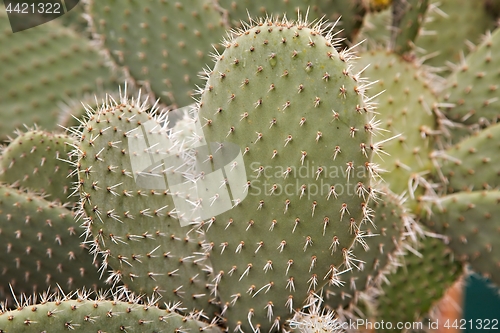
pixel 87 315
pixel 474 163
pixel 38 160
pixel 380 250
pixel 290 135
pixel 418 284
pixel 449 26
pixel 474 87
pixel 351 12
pixel 43 66
pixel 375 31
pixel 469 219
pixel 41 246
pixel 406 105
pixel 162 45
pixel 130 212
pixel 407 20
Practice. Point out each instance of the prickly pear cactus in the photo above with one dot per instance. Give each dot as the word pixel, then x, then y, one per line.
pixel 469 221
pixel 473 88
pixel 41 246
pixel 289 128
pixel 407 20
pixel 472 164
pixel 162 45
pixel 38 160
pixel 129 212
pixel 41 67
pixel 84 314
pixel 449 28
pixel 407 105
pixel 420 281
pixel 382 245
pixel 351 11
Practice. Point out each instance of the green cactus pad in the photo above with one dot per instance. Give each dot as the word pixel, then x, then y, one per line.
pixel 380 250
pixel 473 163
pixel 471 224
pixel 284 110
pixel 418 284
pixel 407 108
pixel 351 12
pixel 40 67
pixel 38 160
pixel 474 86
pixel 162 45
pixel 375 31
pixel 407 19
pixel 130 212
pixel 449 26
pixel 86 315
pixel 41 246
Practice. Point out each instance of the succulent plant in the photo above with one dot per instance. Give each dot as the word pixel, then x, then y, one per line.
pixel 307 187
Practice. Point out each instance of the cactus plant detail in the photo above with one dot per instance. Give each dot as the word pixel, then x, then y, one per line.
pixel 261 207
pixel 289 101
pixel 38 160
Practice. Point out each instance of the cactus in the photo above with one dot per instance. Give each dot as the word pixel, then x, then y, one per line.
pixel 162 45
pixel 38 160
pixel 384 244
pixel 418 284
pixel 351 12
pixel 277 81
pixel 80 312
pixel 61 63
pixel 155 193
pixel 468 219
pixel 407 105
pixel 407 19
pixel 41 246
pixel 472 164
pixel 473 87
pixel 450 27
pixel 131 224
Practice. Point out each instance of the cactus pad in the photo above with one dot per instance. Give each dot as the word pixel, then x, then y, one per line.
pixel 288 101
pixel 41 246
pixel 163 45
pixel 470 222
pixel 40 67
pixel 130 215
pixel 38 160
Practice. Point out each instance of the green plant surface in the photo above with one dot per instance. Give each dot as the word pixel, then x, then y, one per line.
pixel 41 246
pixel 41 67
pixel 469 221
pixel 38 160
pixel 87 315
pixel 282 97
pixel 128 210
pixel 161 45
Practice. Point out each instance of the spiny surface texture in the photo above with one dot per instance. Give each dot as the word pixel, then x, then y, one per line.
pixel 38 160
pixel 130 215
pixel 287 125
pixel 406 106
pixel 474 87
pixel 383 244
pixel 87 315
pixel 474 163
pixel 449 26
pixel 471 224
pixel 161 44
pixel 419 283
pixel 41 246
pixel 41 67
